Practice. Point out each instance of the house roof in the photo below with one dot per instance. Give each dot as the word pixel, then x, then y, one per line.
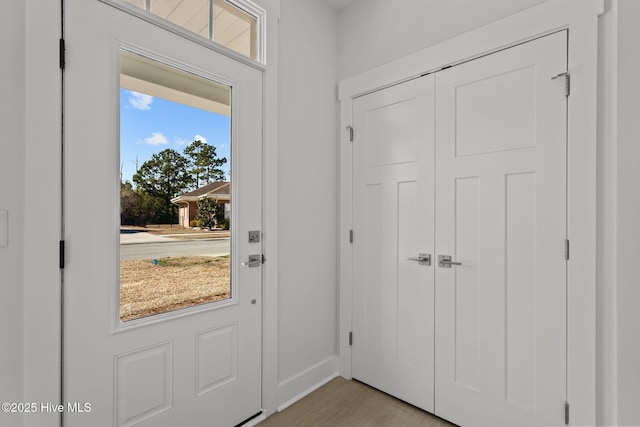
pixel 220 189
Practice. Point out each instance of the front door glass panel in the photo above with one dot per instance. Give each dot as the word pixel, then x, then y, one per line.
pixel 175 188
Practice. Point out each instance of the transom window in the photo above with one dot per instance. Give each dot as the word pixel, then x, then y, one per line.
pixel 230 24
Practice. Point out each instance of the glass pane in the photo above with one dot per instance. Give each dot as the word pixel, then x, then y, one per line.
pixel 217 20
pixel 175 189
pixel 234 28
pixel 193 15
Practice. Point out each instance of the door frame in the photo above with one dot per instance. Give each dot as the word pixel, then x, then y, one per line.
pixel 580 18
pixel 42 296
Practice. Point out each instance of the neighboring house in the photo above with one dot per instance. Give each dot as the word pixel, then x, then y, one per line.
pixel 188 202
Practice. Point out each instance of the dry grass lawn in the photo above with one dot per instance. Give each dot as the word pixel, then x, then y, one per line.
pixel 173 283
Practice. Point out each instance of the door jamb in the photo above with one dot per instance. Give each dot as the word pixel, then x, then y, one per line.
pixel 580 18
pixel 41 321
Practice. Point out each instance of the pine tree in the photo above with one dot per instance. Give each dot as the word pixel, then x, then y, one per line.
pixel 204 165
pixel 163 177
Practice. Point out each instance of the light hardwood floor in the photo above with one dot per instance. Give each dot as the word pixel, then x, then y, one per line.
pixel 343 403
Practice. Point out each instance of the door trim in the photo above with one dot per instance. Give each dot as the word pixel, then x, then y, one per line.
pixel 581 19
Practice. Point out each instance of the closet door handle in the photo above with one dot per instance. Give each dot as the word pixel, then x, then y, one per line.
pixel 445 261
pixel 423 259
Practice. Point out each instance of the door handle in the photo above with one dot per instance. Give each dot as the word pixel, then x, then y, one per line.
pixel 423 259
pixel 445 261
pixel 254 261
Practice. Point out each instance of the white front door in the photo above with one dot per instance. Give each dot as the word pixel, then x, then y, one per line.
pixel 501 186
pixel 474 170
pixel 199 366
pixel 393 231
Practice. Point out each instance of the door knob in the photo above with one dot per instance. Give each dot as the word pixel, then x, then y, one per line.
pixel 445 261
pixel 423 259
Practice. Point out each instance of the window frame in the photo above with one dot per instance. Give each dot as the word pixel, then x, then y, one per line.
pixel 245 5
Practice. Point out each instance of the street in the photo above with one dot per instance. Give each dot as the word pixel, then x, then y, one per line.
pixel 169 248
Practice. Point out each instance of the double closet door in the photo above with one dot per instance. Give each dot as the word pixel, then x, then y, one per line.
pixel 459 216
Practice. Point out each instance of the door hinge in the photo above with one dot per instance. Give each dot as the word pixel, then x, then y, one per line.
pixel 567 82
pixel 264 259
pixel 566 413
pixel 350 338
pixel 61 254
pixel 62 51
pixel 350 129
pixel 350 236
pixel 566 249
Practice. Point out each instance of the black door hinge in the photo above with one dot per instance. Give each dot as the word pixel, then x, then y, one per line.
pixel 566 413
pixel 61 254
pixel 62 54
pixel 350 338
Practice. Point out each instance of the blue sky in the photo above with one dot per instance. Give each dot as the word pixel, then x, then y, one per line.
pixel 149 125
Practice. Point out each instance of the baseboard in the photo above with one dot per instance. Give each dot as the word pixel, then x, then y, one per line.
pixel 298 386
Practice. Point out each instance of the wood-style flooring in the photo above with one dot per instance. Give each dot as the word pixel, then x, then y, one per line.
pixel 343 403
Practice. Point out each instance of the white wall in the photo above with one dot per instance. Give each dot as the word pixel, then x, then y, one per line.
pixel 628 214
pixel 12 164
pixel 375 32
pixel 307 164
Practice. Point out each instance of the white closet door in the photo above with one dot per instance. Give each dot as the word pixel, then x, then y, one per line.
pixel 501 164
pixel 393 220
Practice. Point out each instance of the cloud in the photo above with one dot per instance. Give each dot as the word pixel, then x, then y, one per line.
pixel 180 141
pixel 156 138
pixel 200 138
pixel 140 100
pixel 221 146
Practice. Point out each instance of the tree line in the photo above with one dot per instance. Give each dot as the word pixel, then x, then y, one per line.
pixel 166 175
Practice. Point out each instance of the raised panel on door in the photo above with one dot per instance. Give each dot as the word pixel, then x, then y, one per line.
pixel 199 366
pixel 393 220
pixel 501 212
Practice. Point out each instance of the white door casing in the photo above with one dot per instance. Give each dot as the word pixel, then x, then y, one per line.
pixel 500 199
pixel 393 220
pixel 501 212
pixel 192 367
